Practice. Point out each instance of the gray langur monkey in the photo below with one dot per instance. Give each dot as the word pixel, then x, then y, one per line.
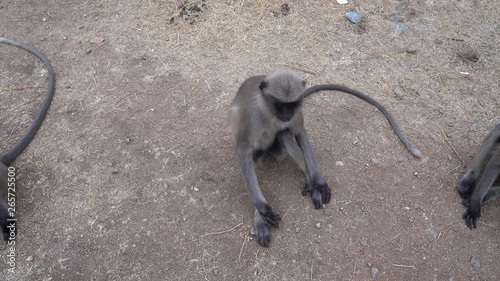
pixel 265 117
pixel 7 222
pixel 481 182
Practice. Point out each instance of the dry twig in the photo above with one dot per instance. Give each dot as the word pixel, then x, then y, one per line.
pixel 222 232
pixel 452 147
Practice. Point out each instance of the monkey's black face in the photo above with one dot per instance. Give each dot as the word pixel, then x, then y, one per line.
pixel 285 110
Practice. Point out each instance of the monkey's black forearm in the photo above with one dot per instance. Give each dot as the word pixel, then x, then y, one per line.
pixel 333 87
pixel 317 186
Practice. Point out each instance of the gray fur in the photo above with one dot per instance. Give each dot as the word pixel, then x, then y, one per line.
pixel 256 128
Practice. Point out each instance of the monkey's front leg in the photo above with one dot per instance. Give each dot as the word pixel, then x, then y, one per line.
pixel 491 173
pixel 264 215
pixel 320 192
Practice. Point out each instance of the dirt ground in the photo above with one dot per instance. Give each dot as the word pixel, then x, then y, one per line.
pixel 133 175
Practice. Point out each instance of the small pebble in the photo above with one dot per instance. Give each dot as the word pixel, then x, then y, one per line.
pixel 20 23
pixel 353 17
pixel 128 139
pixel 401 159
pixel 411 50
pixel 433 234
pixel 339 163
pixel 30 258
pixel 342 2
pixel 364 242
pixel 475 126
pixel 475 262
pixel 397 90
pixel 88 51
pixel 355 141
pixel 44 19
pixel 96 40
pixel 216 271
pixel 420 26
pixel 411 219
pixel 196 189
pixel 318 225
pixel 397 18
pixel 399 28
pixel 374 272
pixel 376 161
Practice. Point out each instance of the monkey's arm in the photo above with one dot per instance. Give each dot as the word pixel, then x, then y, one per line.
pixel 296 153
pixel 490 175
pixel 264 215
pixel 318 187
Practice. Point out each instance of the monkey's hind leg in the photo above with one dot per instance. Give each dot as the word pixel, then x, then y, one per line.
pixel 264 217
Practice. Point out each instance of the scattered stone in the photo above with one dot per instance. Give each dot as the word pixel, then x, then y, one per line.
pixel 339 163
pixel 452 278
pixel 411 50
pixel 376 161
pixel 196 189
pixel 364 242
pixel 399 28
pixel 285 9
pixel 88 51
pixel 96 40
pixel 475 126
pixel 411 219
pixel 374 272
pixel 433 234
pixel 128 140
pixel 397 18
pixel 100 194
pixel 417 206
pixel 406 208
pixel 475 262
pixel 466 53
pixel 397 91
pixel 44 19
pixel 216 271
pixel 342 2
pixel 20 23
pixel 420 26
pixel 353 17
pixel 401 159
pixel 355 141
pixel 318 225
pixel 30 258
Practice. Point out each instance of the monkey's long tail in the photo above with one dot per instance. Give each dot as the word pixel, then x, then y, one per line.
pixel 12 154
pixel 332 87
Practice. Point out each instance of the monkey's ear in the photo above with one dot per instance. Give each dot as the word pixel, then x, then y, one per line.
pixel 263 85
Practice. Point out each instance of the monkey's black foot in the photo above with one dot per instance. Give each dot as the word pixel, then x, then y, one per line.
pixel 320 193
pixel 264 218
pixel 471 216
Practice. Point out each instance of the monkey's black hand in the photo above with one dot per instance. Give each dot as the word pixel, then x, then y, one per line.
pixel 262 221
pixel 320 192
pixel 471 216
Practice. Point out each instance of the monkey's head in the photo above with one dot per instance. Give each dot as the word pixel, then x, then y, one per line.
pixel 282 92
